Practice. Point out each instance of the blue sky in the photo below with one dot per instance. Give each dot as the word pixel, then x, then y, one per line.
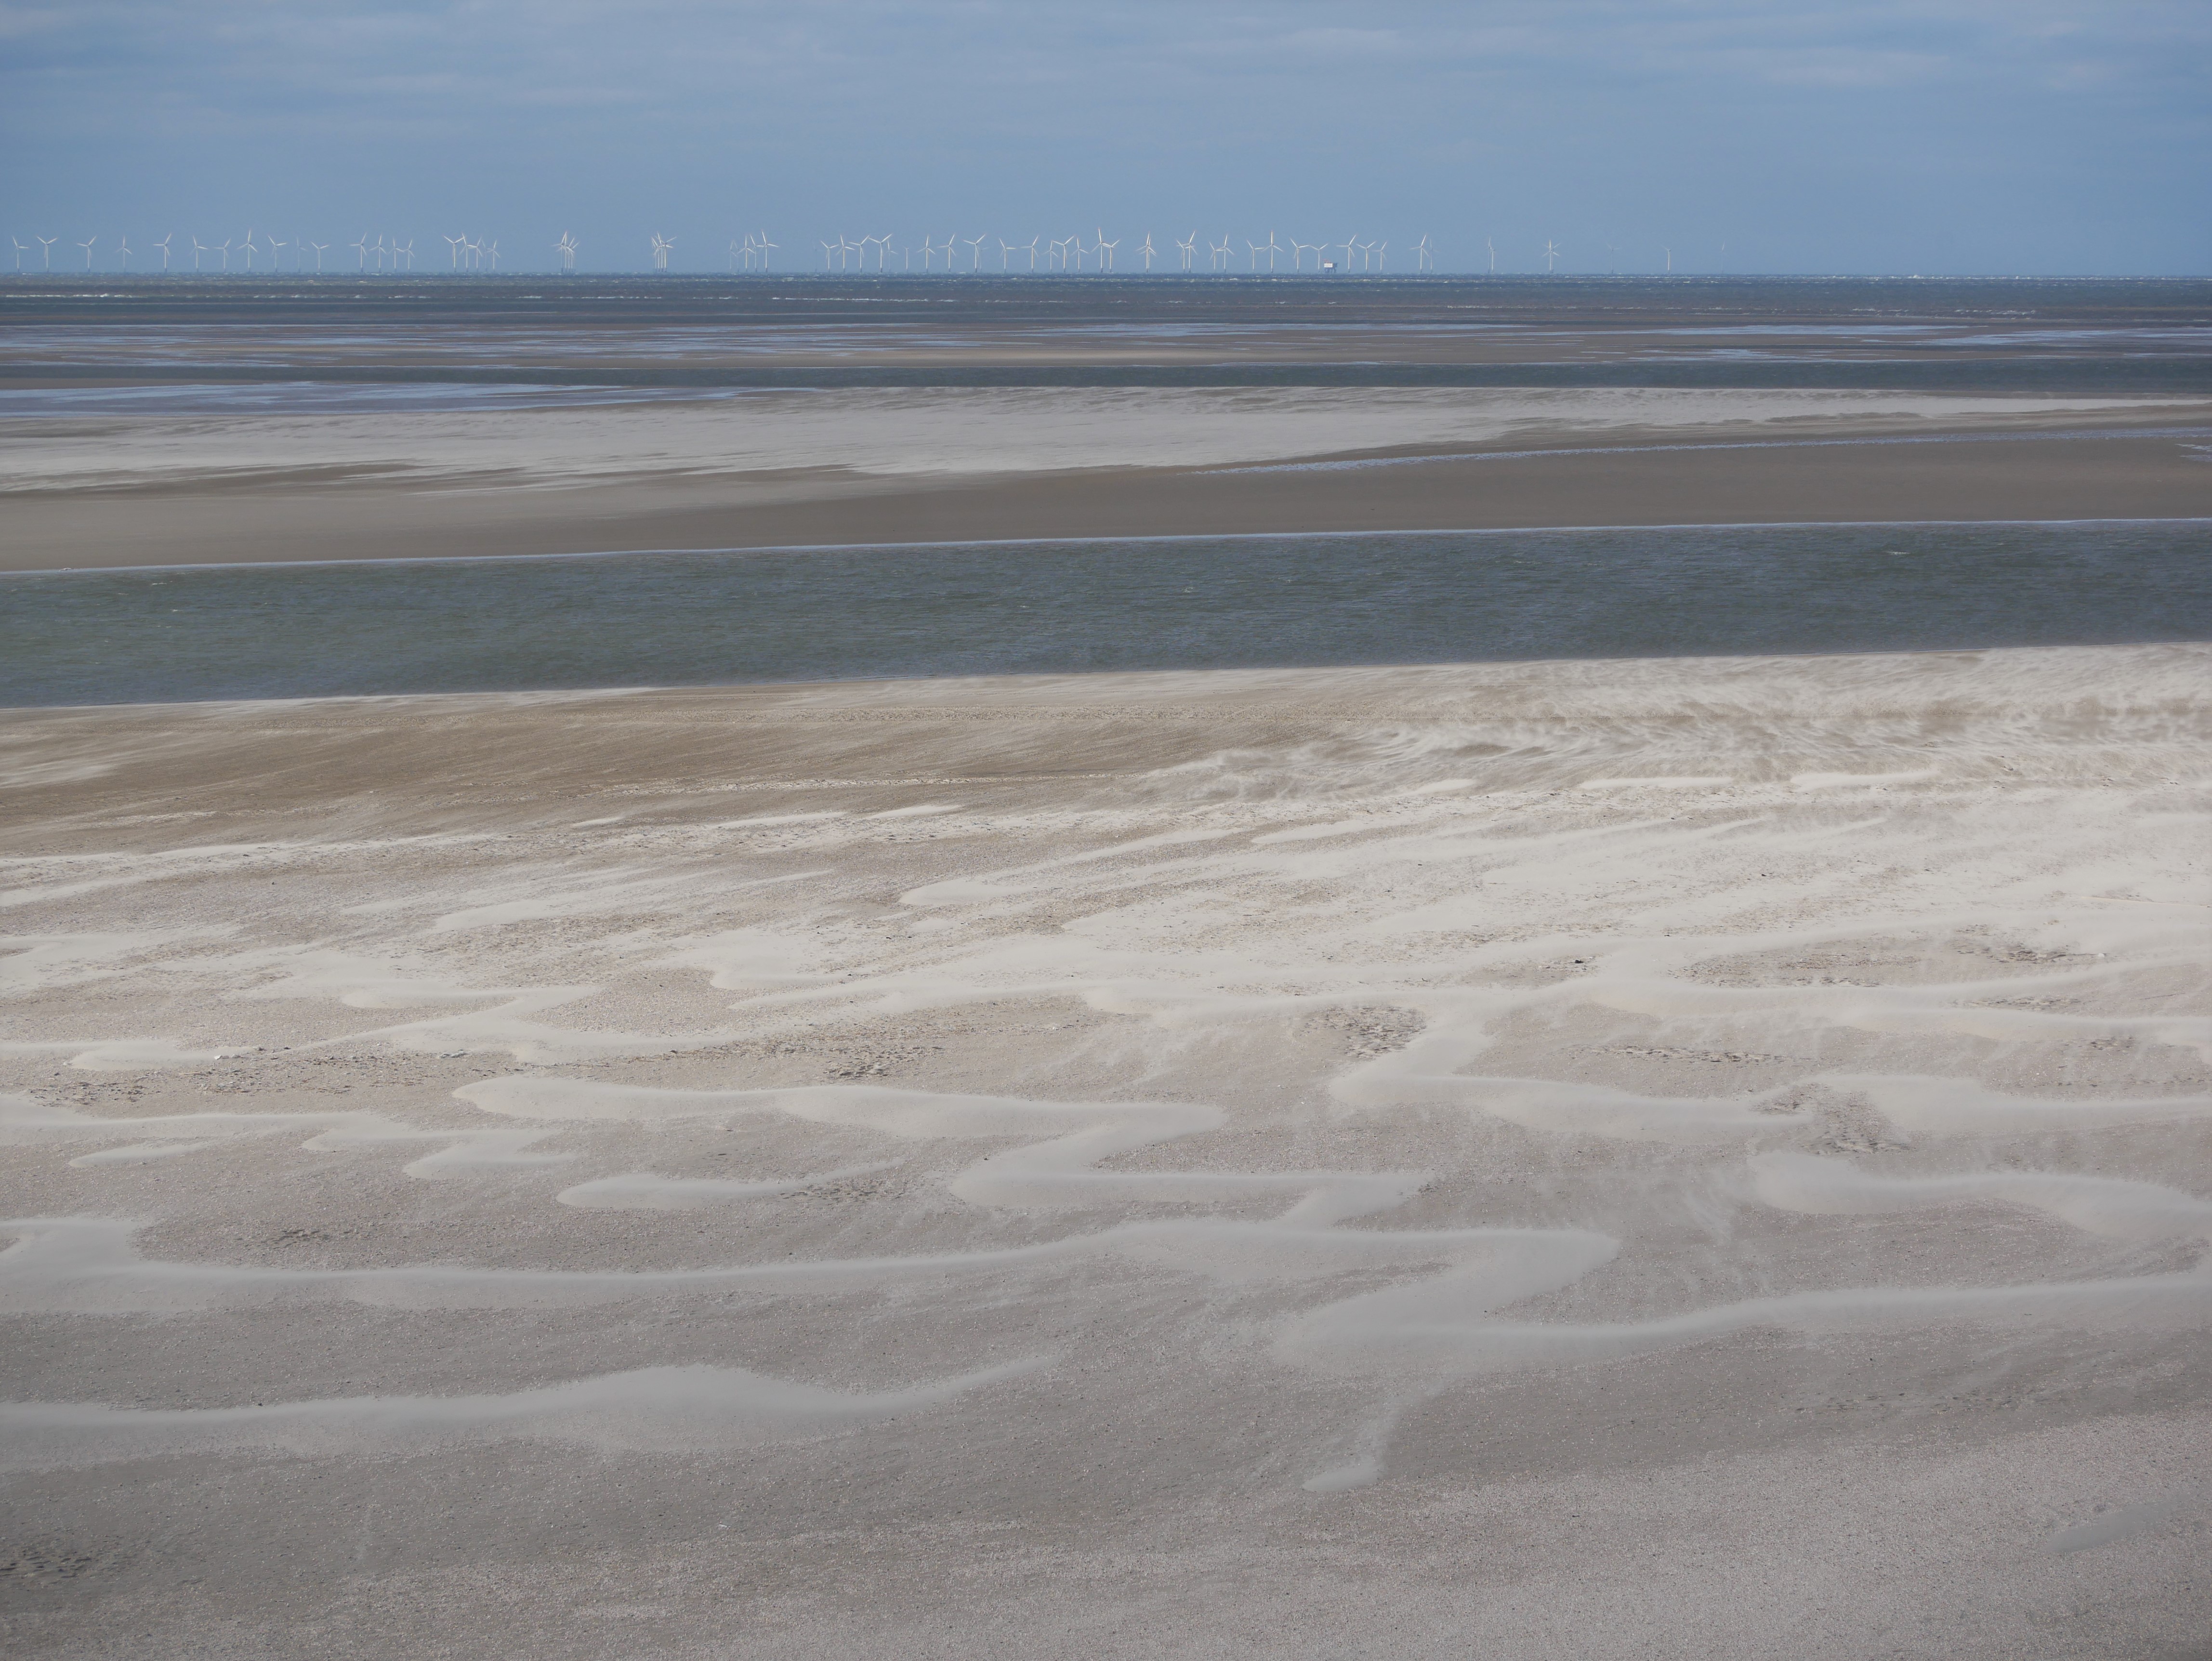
pixel 1941 136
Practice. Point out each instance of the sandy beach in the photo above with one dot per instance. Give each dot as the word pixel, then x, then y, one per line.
pixel 1701 1157
pixel 887 465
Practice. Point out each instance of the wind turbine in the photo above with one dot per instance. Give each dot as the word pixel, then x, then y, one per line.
pixel 1492 246
pixel 1219 252
pixel 975 251
pixel 274 245
pixel 762 247
pixel 1190 250
pixel 845 247
pixel 401 251
pixel 317 246
pixel 22 248
pixel 492 248
pixel 163 245
pixel 199 248
pixel 661 244
pixel 87 246
pixel 1298 251
pixel 1251 254
pixel 1347 245
pixel 1107 249
pixel 566 247
pixel 1005 253
pixel 1669 252
pixel 1033 252
pixel 453 250
pixel 225 252
pixel 361 249
pixel 1424 257
pixel 828 248
pixel 126 249
pixel 251 250
pixel 1551 255
pixel 46 251
pixel 1274 248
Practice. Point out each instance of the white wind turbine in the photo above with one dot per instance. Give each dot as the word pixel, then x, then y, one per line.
pixel 319 247
pixel 828 248
pixel 566 247
pixel 1492 246
pixel 975 251
pixel 762 247
pixel 1274 248
pixel 273 261
pixel 453 250
pixel 1669 252
pixel 1149 252
pixel 491 249
pixel 846 249
pixel 399 251
pixel 1005 253
pixel 1190 250
pixel 661 244
pixel 224 249
pixel 163 245
pixel 22 248
pixel 361 248
pixel 1300 250
pixel 199 248
pixel 1551 255
pixel 250 249
pixel 1383 255
pixel 87 246
pixel 1348 244
pixel 1251 254
pixel 125 250
pixel 1425 257
pixel 1106 250
pixel 46 251
pixel 1032 251
pixel 1219 253
pixel 1055 255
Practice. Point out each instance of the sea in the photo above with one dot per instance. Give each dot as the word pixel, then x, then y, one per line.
pixel 97 348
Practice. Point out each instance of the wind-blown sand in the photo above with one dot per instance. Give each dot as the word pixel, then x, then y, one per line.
pixel 1702 1157
pixel 782 468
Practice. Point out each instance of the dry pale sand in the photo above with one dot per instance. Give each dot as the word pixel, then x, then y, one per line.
pixel 875 465
pixel 1707 1158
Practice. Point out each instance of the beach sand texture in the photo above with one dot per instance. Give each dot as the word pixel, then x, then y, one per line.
pixel 1697 1157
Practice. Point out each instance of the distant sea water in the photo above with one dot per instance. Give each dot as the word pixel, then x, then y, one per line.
pixel 708 617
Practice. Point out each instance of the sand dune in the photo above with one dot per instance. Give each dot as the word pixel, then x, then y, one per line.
pixel 1228 1109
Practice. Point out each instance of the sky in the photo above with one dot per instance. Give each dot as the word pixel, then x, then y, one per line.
pixel 1932 136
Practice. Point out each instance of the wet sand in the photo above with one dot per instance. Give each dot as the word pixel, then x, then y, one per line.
pixel 1701 1157
pixel 826 469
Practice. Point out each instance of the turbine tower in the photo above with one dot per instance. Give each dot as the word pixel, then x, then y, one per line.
pixel 87 246
pixel 1149 252
pixel 661 244
pixel 762 247
pixel 274 263
pixel 1274 248
pixel 199 248
pixel 1190 250
pixel 1219 253
pixel 361 248
pixel 163 245
pixel 1106 250
pixel 318 247
pixel 22 248
pixel 1425 257
pixel 46 251
pixel 125 250
pixel 1551 255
